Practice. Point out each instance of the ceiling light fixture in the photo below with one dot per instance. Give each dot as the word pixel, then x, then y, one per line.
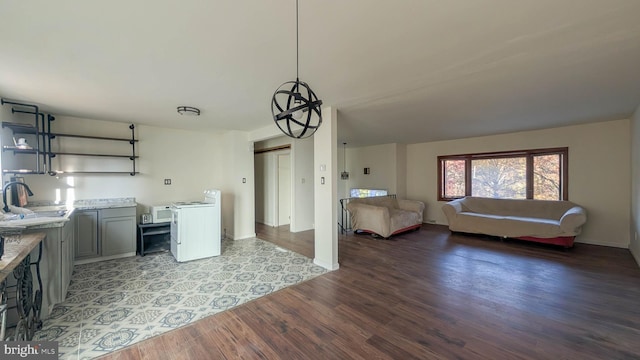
pixel 188 111
pixel 344 175
pixel 295 107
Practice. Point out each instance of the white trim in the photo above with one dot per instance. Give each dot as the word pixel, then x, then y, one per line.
pixel 103 258
pixel 318 262
pixel 248 236
pixel 635 256
pixel 580 240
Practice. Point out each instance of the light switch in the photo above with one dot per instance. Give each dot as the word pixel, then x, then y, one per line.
pixel 323 167
pixel 322 180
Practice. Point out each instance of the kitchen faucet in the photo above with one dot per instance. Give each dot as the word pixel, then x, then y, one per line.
pixel 4 192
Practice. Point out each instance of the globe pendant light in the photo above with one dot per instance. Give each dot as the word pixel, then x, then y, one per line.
pixel 345 174
pixel 295 107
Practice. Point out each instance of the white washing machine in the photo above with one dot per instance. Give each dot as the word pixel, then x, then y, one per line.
pixel 195 228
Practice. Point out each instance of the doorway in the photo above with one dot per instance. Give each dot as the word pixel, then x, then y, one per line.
pixel 273 186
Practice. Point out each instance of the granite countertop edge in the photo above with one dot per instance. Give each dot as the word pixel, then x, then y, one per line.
pixel 86 204
pixel 93 204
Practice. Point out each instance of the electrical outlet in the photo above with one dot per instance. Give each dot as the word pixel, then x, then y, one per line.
pixel 167 181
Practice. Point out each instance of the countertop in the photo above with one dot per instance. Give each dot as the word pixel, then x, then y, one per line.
pixel 83 204
pixel 16 248
pixel 58 221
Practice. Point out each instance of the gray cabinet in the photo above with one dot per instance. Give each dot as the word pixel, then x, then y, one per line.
pixel 56 265
pixel 67 255
pixel 86 229
pixel 105 233
pixel 118 231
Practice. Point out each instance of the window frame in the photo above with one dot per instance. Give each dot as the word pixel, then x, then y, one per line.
pixel 529 154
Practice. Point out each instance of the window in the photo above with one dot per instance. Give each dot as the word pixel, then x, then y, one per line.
pixel 539 174
pixel 360 193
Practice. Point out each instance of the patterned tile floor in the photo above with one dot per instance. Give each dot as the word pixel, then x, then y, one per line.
pixel 115 303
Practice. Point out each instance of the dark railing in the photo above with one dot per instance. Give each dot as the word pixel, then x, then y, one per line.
pixel 345 222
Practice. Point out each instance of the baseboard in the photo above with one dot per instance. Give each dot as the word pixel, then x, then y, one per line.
pixel 246 236
pixel 634 248
pixel 103 258
pixel 601 243
pixel 582 240
pixel 327 266
pixel 299 230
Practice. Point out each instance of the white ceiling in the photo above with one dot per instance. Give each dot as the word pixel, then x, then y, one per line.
pixel 397 71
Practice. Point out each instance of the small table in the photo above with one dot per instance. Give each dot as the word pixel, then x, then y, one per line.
pixel 149 231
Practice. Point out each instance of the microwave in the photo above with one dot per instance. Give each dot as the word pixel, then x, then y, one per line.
pixel 161 213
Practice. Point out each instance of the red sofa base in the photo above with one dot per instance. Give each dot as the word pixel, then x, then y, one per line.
pixel 566 241
pixel 409 228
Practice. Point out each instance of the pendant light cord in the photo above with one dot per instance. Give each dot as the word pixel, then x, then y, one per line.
pixel 344 153
pixel 297 45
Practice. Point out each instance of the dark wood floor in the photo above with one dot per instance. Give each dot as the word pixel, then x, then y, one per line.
pixel 430 295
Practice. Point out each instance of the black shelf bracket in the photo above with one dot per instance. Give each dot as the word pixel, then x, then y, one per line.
pixel 50 154
pixel 36 113
pixel 133 149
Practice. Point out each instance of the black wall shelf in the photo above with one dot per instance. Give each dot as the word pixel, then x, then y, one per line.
pixel 53 135
pixel 17 150
pixel 44 135
pixel 22 171
pixel 96 155
pixel 35 129
pixel 19 128
pixel 94 172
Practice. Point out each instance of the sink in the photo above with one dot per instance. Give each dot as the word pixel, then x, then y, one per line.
pixel 36 215
pixel 22 221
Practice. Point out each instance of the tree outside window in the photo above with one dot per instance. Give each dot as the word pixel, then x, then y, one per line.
pixel 539 174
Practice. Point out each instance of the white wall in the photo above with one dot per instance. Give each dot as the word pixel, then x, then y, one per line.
pixel 188 158
pixel 401 171
pixel 238 189
pixel 381 159
pixel 387 164
pixel 303 182
pixel 326 191
pixel 634 245
pixel 194 161
pixel 343 185
pixel 599 172
pixel 280 140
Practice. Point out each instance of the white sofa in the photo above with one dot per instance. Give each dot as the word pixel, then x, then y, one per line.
pixel 553 222
pixel 385 215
